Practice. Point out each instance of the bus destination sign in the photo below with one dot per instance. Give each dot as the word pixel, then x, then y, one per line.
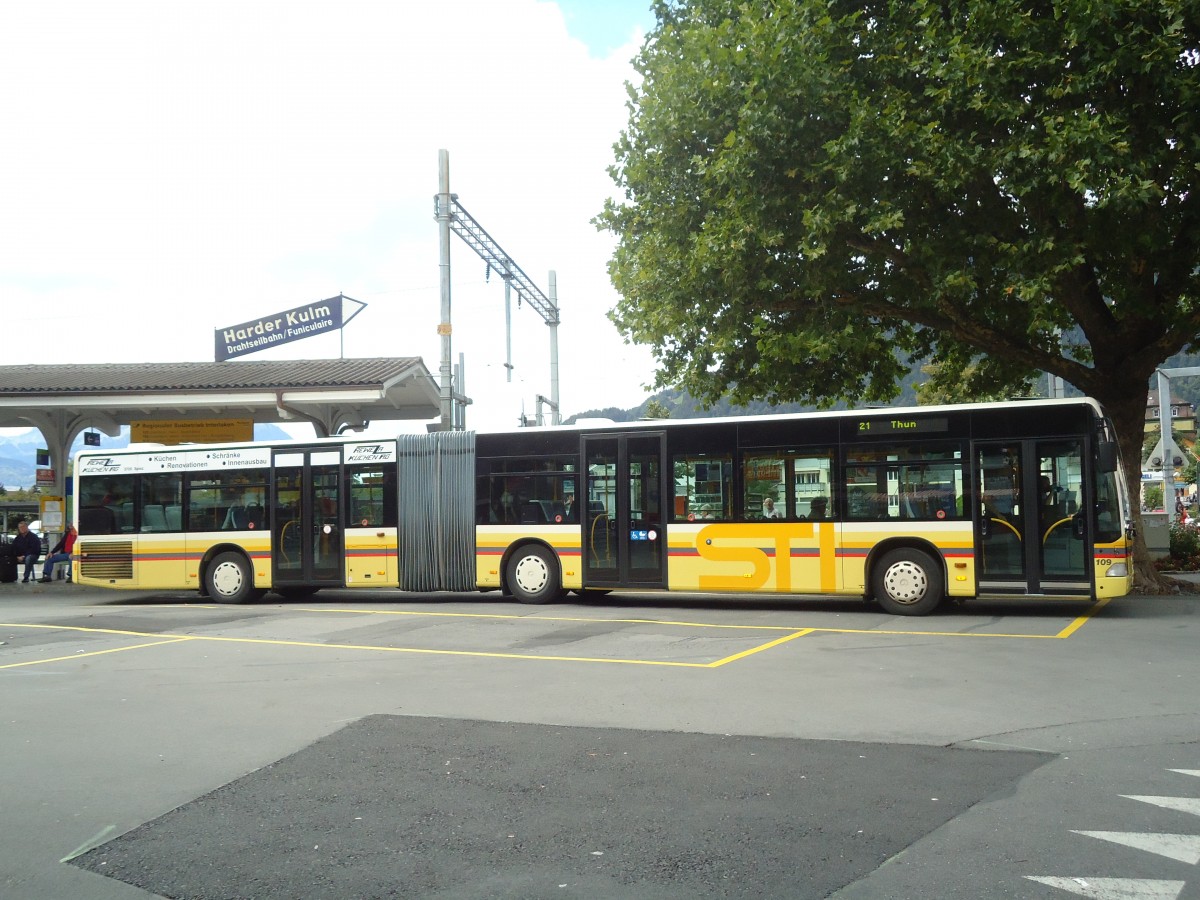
pixel 902 425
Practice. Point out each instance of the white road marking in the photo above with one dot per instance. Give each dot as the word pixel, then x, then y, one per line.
pixel 1195 772
pixel 1182 804
pixel 1183 847
pixel 1115 888
pixel 90 844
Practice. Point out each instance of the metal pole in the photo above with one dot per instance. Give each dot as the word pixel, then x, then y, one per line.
pixel 555 415
pixel 1166 443
pixel 444 329
pixel 460 382
pixel 508 326
pixel 1056 388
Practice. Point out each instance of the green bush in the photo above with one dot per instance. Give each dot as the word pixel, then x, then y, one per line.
pixel 1184 550
pixel 1185 542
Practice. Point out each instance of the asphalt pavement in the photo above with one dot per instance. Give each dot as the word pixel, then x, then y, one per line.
pixel 385 745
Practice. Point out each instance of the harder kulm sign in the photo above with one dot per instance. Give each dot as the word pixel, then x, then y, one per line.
pixel 283 327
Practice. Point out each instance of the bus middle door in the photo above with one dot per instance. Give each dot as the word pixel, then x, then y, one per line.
pixel 624 538
pixel 307 546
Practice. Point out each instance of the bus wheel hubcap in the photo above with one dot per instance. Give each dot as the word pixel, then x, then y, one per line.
pixel 532 574
pixel 906 582
pixel 227 579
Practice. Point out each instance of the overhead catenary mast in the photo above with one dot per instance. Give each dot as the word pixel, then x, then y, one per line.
pixel 451 216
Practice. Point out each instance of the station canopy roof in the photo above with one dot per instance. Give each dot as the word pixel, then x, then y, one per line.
pixel 332 394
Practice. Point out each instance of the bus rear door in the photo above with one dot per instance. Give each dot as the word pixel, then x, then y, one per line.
pixel 1032 538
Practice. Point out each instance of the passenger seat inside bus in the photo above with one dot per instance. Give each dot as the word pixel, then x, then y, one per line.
pixel 153 517
pixel 532 513
pixel 97 520
pixel 254 515
pixel 124 515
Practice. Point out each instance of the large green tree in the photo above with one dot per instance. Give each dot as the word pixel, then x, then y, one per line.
pixel 816 192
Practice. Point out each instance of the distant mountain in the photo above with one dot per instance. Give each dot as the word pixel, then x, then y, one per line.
pixel 18 452
pixel 682 405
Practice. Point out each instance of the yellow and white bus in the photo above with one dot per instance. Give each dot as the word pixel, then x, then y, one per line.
pixel 904 506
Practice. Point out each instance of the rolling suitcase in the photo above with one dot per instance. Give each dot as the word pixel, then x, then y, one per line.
pixel 8 564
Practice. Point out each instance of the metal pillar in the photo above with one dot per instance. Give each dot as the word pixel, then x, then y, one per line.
pixel 1166 439
pixel 460 394
pixel 444 215
pixel 464 225
pixel 508 327
pixel 1167 442
pixel 555 416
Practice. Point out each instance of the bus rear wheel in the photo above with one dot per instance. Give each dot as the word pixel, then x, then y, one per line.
pixel 908 583
pixel 229 579
pixel 533 575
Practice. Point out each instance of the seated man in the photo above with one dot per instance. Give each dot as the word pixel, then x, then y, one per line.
pixel 28 547
pixel 61 552
pixel 818 508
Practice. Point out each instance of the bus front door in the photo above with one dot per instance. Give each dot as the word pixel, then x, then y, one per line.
pixel 1031 538
pixel 307 540
pixel 624 541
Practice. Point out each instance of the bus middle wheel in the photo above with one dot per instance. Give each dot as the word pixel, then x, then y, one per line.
pixel 908 583
pixel 229 579
pixel 533 575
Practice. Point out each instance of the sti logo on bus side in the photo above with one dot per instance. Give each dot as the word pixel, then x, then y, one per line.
pixel 100 463
pixel 371 453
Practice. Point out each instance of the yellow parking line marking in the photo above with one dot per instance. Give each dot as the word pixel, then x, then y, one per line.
pixel 1074 626
pixel 51 627
pixel 485 653
pixel 1082 620
pixel 957 634
pixel 448 615
pixel 38 662
pixel 760 648
pixel 788 628
pixel 171 638
pixel 1066 632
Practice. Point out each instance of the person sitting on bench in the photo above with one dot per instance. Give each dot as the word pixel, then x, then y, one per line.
pixel 61 552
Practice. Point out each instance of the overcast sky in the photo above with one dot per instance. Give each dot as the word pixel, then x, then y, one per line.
pixel 174 167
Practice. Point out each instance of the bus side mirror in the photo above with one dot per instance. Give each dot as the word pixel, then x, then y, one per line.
pixel 1106 456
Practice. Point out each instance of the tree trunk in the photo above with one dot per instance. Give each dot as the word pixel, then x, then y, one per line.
pixel 1128 414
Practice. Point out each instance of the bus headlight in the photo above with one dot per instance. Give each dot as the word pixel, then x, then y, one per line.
pixel 1118 570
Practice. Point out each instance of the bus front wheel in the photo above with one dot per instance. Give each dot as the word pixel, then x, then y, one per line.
pixel 908 583
pixel 533 575
pixel 229 579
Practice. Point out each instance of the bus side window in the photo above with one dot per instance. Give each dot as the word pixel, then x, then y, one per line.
pixel 764 487
pixel 96 520
pixel 161 492
pixel 703 487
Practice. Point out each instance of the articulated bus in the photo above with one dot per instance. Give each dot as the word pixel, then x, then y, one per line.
pixel 907 507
